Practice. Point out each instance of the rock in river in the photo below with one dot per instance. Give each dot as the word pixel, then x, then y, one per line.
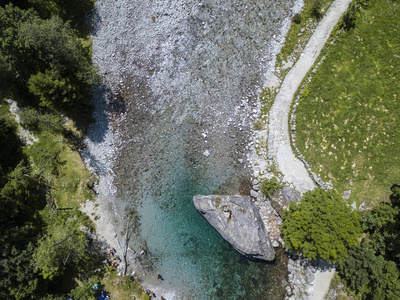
pixel 239 222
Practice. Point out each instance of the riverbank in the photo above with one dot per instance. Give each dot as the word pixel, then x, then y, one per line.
pixel 304 277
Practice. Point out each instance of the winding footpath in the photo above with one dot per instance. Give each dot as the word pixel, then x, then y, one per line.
pixel 279 147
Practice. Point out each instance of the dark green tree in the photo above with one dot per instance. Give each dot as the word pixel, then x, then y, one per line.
pixel 63 245
pixel 74 10
pixel 10 147
pixel 383 227
pixel 18 279
pixel 19 198
pixel 53 90
pixel 370 275
pixel 321 226
pixel 46 52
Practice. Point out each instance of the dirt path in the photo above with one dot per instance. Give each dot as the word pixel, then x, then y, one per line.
pixel 279 140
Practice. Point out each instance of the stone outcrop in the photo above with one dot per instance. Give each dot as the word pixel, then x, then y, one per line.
pixel 281 199
pixel 239 222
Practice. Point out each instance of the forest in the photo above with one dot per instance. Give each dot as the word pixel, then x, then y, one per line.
pixel 47 249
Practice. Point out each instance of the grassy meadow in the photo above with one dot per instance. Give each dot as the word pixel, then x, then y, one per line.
pixel 347 121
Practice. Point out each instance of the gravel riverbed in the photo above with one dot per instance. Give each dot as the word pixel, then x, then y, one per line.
pixel 175 118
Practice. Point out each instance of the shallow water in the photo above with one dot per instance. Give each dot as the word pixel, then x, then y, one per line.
pixel 185 77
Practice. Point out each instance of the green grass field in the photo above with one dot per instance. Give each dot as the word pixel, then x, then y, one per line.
pixel 348 116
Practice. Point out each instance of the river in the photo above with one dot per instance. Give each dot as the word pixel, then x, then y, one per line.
pixel 183 80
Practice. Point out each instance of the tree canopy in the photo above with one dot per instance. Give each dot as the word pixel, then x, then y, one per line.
pixel 383 226
pixel 321 226
pixel 62 245
pixel 45 58
pixel 370 269
pixel 370 275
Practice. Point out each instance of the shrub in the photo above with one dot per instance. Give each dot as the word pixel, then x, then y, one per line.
pixel 316 9
pixel 31 119
pixel 350 17
pixel 269 186
pixel 297 18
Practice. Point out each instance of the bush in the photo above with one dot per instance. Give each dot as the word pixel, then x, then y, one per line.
pixel 269 186
pixel 350 17
pixel 321 226
pixel 46 156
pixel 297 18
pixel 316 9
pixel 31 119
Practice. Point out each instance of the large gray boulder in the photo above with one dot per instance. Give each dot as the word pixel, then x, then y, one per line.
pixel 239 222
pixel 282 198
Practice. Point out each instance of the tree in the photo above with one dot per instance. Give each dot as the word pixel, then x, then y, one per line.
pixel 10 144
pixel 383 226
pixel 19 198
pixel 73 10
pixel 321 226
pixel 370 275
pixel 53 90
pixel 17 279
pixel 63 245
pixel 46 52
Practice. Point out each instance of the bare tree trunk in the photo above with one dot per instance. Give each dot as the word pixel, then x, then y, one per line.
pixel 127 237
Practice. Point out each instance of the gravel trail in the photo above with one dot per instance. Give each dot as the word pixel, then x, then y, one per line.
pixel 279 147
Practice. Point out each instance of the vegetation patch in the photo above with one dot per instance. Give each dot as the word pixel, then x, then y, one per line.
pixel 369 271
pixel 270 186
pixel 347 122
pixel 299 32
pixel 321 226
pixel 217 201
pixel 123 287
